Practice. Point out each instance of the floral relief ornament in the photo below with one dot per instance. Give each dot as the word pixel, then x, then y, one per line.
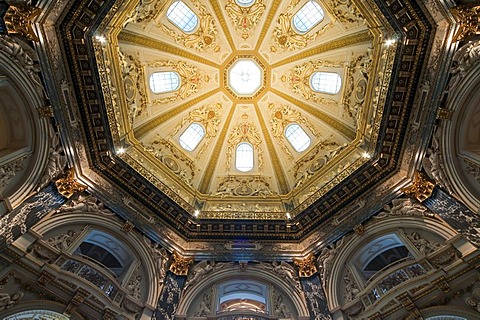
pixel 209 117
pixel 284 35
pixel 189 75
pixel 245 19
pixel 244 131
pixel 204 35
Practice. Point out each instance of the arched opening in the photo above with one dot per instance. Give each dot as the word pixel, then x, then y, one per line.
pixel 106 251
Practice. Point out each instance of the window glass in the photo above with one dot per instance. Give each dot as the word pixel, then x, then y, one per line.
pixel 245 3
pixel 297 137
pixel 161 82
pixel 308 16
pixel 244 157
pixel 326 82
pixel 182 16
pixel 192 136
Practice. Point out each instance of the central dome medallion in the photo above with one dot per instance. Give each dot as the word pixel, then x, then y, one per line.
pixel 245 77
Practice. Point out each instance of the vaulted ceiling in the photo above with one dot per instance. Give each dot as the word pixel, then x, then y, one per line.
pixel 357 136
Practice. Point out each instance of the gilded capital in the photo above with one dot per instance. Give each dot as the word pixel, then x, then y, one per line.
pixel 306 267
pixel 67 186
pixel 19 20
pixel 180 264
pixel 420 189
pixel 468 18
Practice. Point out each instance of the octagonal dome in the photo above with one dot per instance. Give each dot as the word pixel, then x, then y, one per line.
pixel 312 132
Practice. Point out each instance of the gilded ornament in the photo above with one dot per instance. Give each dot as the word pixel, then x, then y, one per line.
pixel 299 79
pixel 347 13
pixel 281 117
pixel 245 19
pixel 19 20
pixel 244 131
pixel 285 37
pixel 68 185
pixel 146 11
pixel 204 35
pixel 45 112
pixel 190 79
pixel 444 114
pixel 468 18
pixel 243 186
pixel 128 226
pixel 359 229
pixel 421 188
pixel 180 264
pixel 209 117
pixel 306 267
pixel 134 84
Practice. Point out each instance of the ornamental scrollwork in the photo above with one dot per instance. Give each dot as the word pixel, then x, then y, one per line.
pixel 190 79
pixel 209 116
pixel 180 264
pixel 280 117
pixel 299 79
pixel 468 18
pixel 205 35
pixel 243 186
pixel 146 11
pixel 9 170
pixel 284 35
pixel 245 131
pixel 134 84
pixel 347 13
pixel 19 20
pixel 315 160
pixel 245 19
pixel 358 71
pixel 183 167
pixel 306 267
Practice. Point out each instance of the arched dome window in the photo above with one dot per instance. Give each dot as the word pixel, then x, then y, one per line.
pixel 167 81
pixel 245 3
pixel 381 253
pixel 326 82
pixel 182 16
pixel 297 137
pixel 106 251
pixel 242 295
pixel 244 157
pixel 190 139
pixel 308 17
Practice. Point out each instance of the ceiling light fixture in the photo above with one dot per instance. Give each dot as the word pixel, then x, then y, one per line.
pixel 196 213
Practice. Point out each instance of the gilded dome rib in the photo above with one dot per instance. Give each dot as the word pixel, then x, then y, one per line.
pixel 334 123
pixel 148 126
pixel 350 40
pixel 134 38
